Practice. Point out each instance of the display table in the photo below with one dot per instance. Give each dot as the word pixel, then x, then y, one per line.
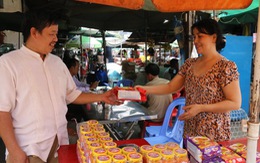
pixel 67 153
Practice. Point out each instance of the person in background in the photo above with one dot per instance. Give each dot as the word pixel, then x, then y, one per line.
pixel 36 87
pixel 73 66
pixel 172 70
pixel 135 53
pixel 211 85
pixel 100 57
pixel 157 104
pixel 135 57
pixel 84 64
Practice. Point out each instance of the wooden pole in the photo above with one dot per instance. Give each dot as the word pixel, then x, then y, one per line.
pixel 253 124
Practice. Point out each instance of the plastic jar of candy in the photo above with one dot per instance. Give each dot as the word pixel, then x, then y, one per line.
pixel 159 147
pixel 86 129
pixel 80 152
pixel 95 145
pixel 84 125
pixel 99 130
pixel 181 155
pixel 134 157
pixel 127 150
pixel 92 122
pixel 113 151
pixel 172 145
pixel 87 148
pixel 167 156
pixel 83 132
pixel 97 126
pixel 103 159
pixel 89 141
pixel 108 145
pixel 103 134
pixel 153 157
pixel 144 149
pixel 89 135
pixel 119 158
pixel 105 139
pixel 96 152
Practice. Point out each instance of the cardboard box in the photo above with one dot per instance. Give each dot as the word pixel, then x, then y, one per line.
pixel 202 148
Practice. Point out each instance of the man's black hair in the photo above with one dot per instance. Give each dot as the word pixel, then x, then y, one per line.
pixel 153 69
pixel 39 20
pixel 71 62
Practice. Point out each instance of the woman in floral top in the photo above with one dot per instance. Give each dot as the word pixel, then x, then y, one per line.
pixel 211 85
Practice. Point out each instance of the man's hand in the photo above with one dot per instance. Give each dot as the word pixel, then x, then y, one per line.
pixel 18 156
pixel 109 97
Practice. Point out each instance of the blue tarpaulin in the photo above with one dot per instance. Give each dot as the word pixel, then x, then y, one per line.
pixel 239 50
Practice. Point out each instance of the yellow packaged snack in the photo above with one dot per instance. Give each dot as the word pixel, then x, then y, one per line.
pixel 105 139
pixel 172 145
pixel 127 150
pixel 113 151
pixel 108 145
pixel 134 157
pixel 154 157
pixel 92 122
pixel 119 158
pixel 99 130
pixel 159 147
pixel 103 134
pixel 145 149
pixel 167 156
pixel 97 152
pixel 103 159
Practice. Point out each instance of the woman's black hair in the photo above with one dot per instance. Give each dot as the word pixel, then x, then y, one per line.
pixel 210 27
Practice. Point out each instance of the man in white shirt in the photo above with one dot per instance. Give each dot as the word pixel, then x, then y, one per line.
pixel 36 87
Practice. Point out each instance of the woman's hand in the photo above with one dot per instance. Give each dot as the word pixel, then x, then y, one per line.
pixel 138 86
pixel 190 111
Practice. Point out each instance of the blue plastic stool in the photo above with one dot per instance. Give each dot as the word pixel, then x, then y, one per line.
pixel 238 115
pixel 165 133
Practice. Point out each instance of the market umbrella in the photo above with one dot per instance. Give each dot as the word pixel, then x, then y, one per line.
pixel 176 5
pixel 79 41
pixel 242 16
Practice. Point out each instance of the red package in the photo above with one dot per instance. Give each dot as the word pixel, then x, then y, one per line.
pixel 130 93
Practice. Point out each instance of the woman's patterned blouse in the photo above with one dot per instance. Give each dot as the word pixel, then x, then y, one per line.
pixel 207 89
